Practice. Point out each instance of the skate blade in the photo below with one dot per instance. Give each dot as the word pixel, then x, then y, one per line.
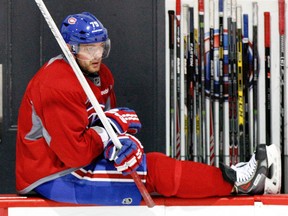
pixel 273 182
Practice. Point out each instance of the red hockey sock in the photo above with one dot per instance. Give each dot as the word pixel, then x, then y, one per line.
pixel 186 179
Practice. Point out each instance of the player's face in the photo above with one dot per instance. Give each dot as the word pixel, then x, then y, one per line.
pixel 90 56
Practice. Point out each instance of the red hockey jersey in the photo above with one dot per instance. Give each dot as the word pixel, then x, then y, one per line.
pixel 53 135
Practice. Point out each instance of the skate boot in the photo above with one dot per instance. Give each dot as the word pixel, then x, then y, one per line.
pixel 273 180
pixel 262 174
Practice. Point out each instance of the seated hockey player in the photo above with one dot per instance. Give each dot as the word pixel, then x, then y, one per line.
pixel 64 153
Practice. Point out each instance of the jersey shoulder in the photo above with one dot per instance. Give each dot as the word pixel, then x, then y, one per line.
pixel 58 74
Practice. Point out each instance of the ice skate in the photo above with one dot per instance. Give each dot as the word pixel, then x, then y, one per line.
pixel 261 175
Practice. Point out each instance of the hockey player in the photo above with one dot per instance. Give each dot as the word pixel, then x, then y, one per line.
pixel 64 153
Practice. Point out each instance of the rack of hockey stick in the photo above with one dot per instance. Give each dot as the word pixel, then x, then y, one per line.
pixel 226 83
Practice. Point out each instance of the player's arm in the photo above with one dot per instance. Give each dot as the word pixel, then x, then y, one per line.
pixel 65 119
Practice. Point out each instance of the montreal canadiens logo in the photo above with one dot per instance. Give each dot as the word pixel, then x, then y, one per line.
pixel 72 20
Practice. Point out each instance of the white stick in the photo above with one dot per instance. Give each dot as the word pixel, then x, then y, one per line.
pixel 89 93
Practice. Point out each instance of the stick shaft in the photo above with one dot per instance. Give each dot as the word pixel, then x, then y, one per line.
pixel 190 84
pixel 255 75
pixel 267 73
pixel 281 7
pixel 241 114
pixel 171 151
pixel 178 71
pixel 202 77
pixel 226 87
pixel 233 53
pixel 283 92
pixel 245 60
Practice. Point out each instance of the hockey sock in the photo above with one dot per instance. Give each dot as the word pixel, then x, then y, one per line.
pixel 185 179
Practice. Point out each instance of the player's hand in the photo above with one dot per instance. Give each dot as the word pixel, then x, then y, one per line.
pixel 129 157
pixel 123 120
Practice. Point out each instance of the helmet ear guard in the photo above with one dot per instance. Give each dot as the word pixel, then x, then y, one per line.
pixel 74 48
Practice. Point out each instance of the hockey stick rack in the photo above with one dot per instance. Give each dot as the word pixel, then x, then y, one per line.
pixel 226 82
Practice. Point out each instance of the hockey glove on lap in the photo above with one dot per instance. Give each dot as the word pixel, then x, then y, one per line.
pixel 129 157
pixel 123 120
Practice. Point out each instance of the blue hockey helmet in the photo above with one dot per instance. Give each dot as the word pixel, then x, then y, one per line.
pixel 84 28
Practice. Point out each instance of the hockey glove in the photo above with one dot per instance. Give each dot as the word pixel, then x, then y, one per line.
pixel 123 120
pixel 129 157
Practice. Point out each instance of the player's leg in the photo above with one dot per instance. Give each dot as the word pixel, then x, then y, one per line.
pixel 98 183
pixel 186 179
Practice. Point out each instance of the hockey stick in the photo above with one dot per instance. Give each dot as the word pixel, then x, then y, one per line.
pixel 209 87
pixel 234 81
pixel 249 92
pixel 172 83
pixel 209 134
pixel 197 81
pixel 216 82
pixel 178 70
pixel 226 86
pixel 190 86
pixel 281 5
pixel 203 131
pixel 241 114
pixel 184 60
pixel 283 91
pixel 267 74
pixel 230 44
pixel 232 29
pixel 246 70
pixel 221 78
pixel 146 196
pixel 255 76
